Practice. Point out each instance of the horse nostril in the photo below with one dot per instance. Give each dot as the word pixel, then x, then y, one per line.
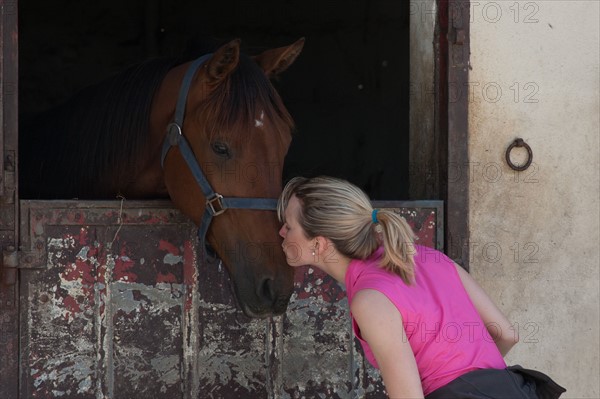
pixel 266 291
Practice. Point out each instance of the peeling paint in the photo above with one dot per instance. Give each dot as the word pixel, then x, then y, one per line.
pixel 171 259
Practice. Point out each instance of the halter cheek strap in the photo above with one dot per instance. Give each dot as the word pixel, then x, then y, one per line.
pixel 215 203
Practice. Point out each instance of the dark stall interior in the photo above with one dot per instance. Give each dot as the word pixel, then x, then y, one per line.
pixel 348 91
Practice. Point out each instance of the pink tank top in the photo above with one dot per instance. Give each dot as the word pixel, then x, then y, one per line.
pixel 443 327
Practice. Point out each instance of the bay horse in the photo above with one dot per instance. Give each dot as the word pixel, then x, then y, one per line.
pixel 150 131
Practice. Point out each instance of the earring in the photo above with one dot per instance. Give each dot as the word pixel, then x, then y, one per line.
pixel 313 252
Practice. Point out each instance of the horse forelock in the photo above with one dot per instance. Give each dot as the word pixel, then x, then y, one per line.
pixel 241 102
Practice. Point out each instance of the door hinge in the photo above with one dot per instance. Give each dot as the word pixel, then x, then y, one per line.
pixel 12 260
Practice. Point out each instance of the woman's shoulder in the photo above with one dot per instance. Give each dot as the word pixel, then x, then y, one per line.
pixel 372 276
pixel 434 268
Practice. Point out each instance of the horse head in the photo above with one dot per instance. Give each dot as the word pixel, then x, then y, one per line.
pixel 239 132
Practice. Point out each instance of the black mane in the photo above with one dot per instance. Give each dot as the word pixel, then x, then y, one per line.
pixel 77 149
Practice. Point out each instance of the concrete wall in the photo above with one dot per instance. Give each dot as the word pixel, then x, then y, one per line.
pixel 534 235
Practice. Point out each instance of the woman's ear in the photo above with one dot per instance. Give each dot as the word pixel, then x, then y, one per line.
pixel 324 248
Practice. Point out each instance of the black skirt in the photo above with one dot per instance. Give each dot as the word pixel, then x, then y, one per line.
pixel 513 382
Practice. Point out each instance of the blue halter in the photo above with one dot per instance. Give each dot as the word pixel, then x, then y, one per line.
pixel 215 204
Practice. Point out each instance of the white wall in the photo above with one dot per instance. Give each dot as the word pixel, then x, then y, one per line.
pixel 534 235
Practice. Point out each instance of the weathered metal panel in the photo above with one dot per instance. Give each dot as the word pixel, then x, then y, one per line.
pixel 233 357
pixel 9 311
pixel 104 300
pixel 116 304
pixel 317 357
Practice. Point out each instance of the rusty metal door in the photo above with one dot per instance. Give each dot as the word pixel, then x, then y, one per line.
pixel 115 304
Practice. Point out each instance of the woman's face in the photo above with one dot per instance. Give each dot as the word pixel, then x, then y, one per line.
pixel 297 247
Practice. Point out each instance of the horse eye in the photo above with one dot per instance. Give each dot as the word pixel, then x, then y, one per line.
pixel 221 149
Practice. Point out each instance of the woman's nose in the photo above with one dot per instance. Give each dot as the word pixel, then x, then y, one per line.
pixel 282 232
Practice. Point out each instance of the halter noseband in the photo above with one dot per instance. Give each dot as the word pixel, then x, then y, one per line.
pixel 215 204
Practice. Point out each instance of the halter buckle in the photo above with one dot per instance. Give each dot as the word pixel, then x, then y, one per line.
pixel 219 208
pixel 174 133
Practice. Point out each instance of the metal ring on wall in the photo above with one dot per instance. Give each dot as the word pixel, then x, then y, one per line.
pixel 519 143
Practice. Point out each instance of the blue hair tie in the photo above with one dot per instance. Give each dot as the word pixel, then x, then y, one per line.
pixel 374 216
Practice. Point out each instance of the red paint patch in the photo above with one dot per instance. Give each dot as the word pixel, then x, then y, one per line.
pixel 166 278
pixel 83 236
pixel 123 266
pixel 85 273
pixel 71 306
pixel 167 246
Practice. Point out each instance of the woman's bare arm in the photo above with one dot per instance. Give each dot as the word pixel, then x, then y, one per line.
pixel 380 325
pixel 500 329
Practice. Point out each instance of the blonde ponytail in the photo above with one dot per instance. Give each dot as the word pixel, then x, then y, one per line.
pixel 397 238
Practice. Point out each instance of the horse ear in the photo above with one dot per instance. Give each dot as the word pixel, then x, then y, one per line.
pixel 277 60
pixel 223 61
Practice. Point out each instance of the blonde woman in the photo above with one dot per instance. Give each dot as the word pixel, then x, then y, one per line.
pixel 421 319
